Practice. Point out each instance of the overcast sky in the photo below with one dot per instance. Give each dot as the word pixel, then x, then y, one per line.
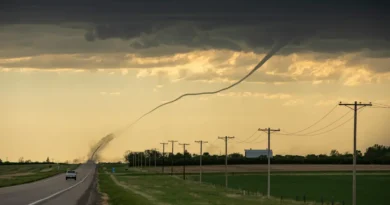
pixel 71 72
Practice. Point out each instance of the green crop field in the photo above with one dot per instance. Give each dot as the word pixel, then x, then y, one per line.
pixel 19 174
pixel 372 188
pixel 135 186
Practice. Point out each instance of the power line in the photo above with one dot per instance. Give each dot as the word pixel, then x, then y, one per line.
pixel 212 144
pixel 256 138
pixel 345 122
pixel 380 106
pixel 242 141
pixel 258 142
pixel 309 133
pixel 315 122
pixel 384 105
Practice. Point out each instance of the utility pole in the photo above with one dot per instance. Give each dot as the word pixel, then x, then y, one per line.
pixel 172 141
pixel 269 130
pixel 200 159
pixel 355 109
pixel 184 156
pixel 163 153
pixel 226 138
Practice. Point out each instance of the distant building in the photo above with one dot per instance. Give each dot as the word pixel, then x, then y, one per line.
pixel 255 153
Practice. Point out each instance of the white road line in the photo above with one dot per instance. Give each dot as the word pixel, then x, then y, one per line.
pixel 57 193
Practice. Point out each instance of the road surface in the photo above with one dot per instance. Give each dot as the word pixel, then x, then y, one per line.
pixel 54 190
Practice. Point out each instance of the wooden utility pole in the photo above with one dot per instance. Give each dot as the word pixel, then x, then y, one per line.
pixel 184 156
pixel 172 141
pixel 269 130
pixel 201 142
pixel 226 138
pixel 355 109
pixel 163 154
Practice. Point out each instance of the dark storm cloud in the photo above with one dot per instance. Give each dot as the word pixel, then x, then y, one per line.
pixel 381 65
pixel 319 26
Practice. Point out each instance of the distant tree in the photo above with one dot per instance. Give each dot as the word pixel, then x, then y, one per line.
pixel 179 155
pixel 311 156
pixel 378 154
pixel 334 153
pixel 235 155
pixel 359 153
pixel 347 154
pixel 28 161
pixel 1 161
pixel 187 154
pixel 47 160
pixel 21 160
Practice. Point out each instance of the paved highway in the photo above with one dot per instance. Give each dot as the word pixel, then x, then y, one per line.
pixel 55 190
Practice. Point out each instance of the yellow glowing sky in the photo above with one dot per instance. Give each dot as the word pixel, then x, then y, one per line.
pixel 58 105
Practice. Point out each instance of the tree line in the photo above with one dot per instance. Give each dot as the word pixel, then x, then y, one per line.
pixel 377 154
pixel 22 161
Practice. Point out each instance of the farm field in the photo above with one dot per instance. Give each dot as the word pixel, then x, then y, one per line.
pixel 274 168
pixel 371 187
pixel 134 186
pixel 19 174
pixel 288 181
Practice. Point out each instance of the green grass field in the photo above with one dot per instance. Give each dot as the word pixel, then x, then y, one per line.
pixel 19 174
pixel 133 186
pixel 371 188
